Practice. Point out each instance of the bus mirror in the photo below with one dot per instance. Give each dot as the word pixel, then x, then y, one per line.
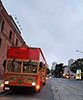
pixel 40 65
pixel 4 63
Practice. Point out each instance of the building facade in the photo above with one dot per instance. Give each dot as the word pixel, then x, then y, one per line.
pixel 53 65
pixel 10 35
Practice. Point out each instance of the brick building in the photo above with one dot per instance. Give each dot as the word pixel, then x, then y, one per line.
pixel 10 35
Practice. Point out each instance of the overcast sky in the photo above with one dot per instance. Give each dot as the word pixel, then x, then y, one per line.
pixel 56 26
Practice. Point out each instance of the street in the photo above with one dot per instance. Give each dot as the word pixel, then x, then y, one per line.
pixel 67 89
pixel 44 94
pixel 55 89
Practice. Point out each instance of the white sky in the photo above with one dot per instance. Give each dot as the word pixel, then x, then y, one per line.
pixel 56 26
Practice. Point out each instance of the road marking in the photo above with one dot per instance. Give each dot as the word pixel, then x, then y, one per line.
pixel 5 93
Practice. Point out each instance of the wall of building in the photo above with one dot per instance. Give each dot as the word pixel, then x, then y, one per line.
pixel 10 35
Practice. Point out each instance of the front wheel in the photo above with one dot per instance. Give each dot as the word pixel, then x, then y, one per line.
pixel 37 91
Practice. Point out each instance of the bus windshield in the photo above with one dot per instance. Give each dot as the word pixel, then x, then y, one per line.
pixel 14 66
pixel 29 67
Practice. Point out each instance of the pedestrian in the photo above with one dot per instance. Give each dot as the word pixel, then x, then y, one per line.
pixel 13 65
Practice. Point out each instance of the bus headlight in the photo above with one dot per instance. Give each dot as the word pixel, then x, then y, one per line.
pixel 6 82
pixel 37 87
pixel 2 85
pixel 33 83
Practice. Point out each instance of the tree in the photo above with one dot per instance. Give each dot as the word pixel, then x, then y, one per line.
pixel 58 70
pixel 48 70
pixel 78 64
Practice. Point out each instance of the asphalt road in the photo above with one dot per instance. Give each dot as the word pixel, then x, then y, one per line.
pixel 44 94
pixel 67 89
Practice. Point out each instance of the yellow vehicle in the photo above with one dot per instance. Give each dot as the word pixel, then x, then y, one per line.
pixel 78 74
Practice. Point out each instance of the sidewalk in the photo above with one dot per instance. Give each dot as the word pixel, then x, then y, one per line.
pixel 1 88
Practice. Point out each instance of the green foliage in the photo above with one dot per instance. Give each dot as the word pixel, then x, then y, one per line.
pixel 48 70
pixel 73 69
pixel 52 71
pixel 78 64
pixel 58 72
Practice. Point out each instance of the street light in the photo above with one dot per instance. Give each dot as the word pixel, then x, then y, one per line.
pixel 79 51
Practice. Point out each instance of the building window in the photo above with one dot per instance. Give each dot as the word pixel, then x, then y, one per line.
pixel 2 27
pixel 10 35
pixel 0 21
pixel 16 42
pixel 0 42
pixel 1 24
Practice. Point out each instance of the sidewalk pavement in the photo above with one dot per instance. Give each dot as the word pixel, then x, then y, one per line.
pixel 1 88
